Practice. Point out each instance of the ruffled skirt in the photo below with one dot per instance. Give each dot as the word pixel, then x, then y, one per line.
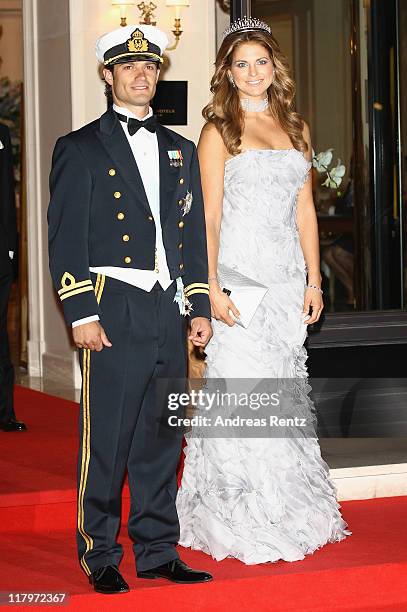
pixel 259 499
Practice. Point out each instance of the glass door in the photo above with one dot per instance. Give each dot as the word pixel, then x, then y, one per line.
pixel 349 71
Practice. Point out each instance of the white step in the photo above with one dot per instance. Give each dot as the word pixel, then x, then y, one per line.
pixel 369 481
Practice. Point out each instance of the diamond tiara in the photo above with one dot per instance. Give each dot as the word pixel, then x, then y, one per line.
pixel 246 24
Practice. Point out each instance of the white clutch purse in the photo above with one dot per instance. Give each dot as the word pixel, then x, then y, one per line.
pixel 245 293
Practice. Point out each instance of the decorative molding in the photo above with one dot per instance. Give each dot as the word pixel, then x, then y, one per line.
pixel 224 5
pixel 77 374
pixel 33 181
pixel 35 350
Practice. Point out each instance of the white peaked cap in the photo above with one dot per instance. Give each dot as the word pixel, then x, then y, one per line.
pixel 131 42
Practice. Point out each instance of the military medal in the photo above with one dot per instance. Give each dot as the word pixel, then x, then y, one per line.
pixel 176 158
pixel 184 305
pixel 186 207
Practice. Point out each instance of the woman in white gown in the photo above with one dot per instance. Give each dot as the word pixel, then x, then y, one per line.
pixel 270 498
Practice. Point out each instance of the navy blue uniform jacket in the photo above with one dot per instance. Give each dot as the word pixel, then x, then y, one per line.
pixel 99 214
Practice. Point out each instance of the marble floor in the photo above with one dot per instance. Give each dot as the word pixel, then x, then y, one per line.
pixel 46 385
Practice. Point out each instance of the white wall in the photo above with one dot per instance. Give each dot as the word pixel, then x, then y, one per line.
pixel 191 61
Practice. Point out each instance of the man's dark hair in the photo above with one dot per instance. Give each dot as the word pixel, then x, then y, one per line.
pixel 108 88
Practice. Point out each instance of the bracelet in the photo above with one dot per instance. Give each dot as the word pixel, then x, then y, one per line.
pixel 315 287
pixel 211 278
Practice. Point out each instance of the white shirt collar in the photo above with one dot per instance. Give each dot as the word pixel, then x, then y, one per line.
pixel 127 113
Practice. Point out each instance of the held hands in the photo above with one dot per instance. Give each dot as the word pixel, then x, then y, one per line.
pixel 313 300
pixel 90 336
pixel 221 304
pixel 201 331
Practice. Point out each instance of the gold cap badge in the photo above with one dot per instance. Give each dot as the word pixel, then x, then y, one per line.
pixel 137 43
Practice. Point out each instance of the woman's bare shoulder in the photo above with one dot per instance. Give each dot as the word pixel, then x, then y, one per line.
pixel 211 139
pixel 210 133
pixel 306 134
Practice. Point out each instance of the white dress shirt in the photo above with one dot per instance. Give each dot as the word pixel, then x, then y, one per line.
pixel 144 146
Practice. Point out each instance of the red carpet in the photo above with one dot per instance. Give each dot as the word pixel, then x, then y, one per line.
pixel 366 572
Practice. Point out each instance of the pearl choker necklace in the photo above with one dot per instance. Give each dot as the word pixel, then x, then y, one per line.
pixel 254 107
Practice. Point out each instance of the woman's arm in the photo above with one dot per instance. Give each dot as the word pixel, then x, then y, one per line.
pixel 212 155
pixel 309 239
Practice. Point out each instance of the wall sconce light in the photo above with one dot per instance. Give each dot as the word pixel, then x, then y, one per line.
pixel 147 16
pixel 177 31
pixel 123 4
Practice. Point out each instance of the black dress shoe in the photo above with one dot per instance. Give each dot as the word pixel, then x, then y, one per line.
pixel 176 571
pixel 108 580
pixel 13 425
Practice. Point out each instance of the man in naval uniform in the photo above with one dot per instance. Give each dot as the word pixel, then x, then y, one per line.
pixel 128 258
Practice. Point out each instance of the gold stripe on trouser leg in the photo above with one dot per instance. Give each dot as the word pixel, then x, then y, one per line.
pixel 100 283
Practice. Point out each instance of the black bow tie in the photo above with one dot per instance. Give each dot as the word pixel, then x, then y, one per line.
pixel 133 125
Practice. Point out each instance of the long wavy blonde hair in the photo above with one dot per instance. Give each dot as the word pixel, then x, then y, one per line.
pixel 225 111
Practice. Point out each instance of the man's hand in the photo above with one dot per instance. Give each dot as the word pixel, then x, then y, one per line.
pixel 201 331
pixel 90 336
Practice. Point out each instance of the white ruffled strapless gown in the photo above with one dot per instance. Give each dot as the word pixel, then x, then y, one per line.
pixel 260 499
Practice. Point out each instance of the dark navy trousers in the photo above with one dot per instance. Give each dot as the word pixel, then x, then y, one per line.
pixel 123 427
